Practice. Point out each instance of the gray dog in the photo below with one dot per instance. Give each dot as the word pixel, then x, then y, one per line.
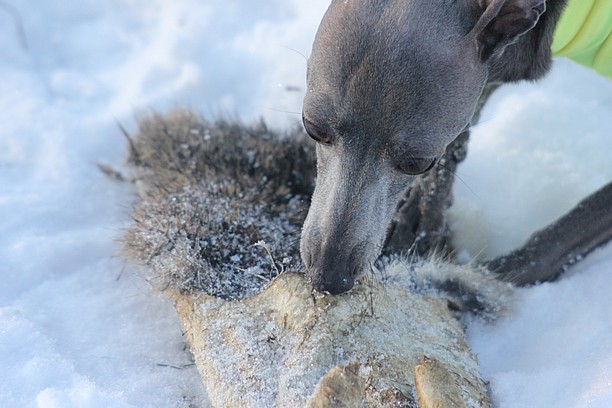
pixel 390 84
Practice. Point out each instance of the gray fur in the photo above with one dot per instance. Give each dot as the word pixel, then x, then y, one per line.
pixel 209 192
pixel 391 80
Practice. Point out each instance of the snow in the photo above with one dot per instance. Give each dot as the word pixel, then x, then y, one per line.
pixel 538 150
pixel 555 350
pixel 79 328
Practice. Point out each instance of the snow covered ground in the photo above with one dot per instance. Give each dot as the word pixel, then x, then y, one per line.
pixel 80 329
pixel 538 151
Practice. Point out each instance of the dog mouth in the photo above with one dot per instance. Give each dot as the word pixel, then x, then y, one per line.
pixel 334 287
pixel 339 274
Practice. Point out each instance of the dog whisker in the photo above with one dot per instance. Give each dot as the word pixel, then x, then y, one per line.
pixel 294 50
pixel 282 111
pixel 460 179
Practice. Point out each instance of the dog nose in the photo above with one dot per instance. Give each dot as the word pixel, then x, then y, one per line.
pixel 416 165
pixel 331 270
pixel 334 285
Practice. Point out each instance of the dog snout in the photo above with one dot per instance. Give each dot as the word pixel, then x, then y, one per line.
pixel 332 283
pixel 334 270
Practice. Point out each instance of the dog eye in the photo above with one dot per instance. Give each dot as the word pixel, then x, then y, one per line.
pixel 414 166
pixel 318 133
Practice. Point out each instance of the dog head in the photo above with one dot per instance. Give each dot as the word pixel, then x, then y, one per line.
pixel 390 84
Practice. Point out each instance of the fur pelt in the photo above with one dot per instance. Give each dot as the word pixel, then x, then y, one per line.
pixel 220 209
pixel 221 204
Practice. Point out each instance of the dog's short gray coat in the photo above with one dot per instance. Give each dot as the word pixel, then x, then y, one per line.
pixel 390 84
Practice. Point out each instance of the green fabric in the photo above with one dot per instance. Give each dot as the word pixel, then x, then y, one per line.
pixel 584 34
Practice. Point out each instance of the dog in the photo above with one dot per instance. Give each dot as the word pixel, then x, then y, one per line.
pixel 390 84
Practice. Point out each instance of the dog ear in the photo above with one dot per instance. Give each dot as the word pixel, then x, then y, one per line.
pixel 503 22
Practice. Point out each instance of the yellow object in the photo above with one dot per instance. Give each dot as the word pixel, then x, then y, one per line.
pixel 584 34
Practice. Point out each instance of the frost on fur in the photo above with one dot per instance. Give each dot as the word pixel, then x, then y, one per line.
pixel 210 194
pixel 465 287
pixel 221 208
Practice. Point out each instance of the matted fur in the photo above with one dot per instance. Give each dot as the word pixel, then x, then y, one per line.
pixel 221 204
pixel 221 207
